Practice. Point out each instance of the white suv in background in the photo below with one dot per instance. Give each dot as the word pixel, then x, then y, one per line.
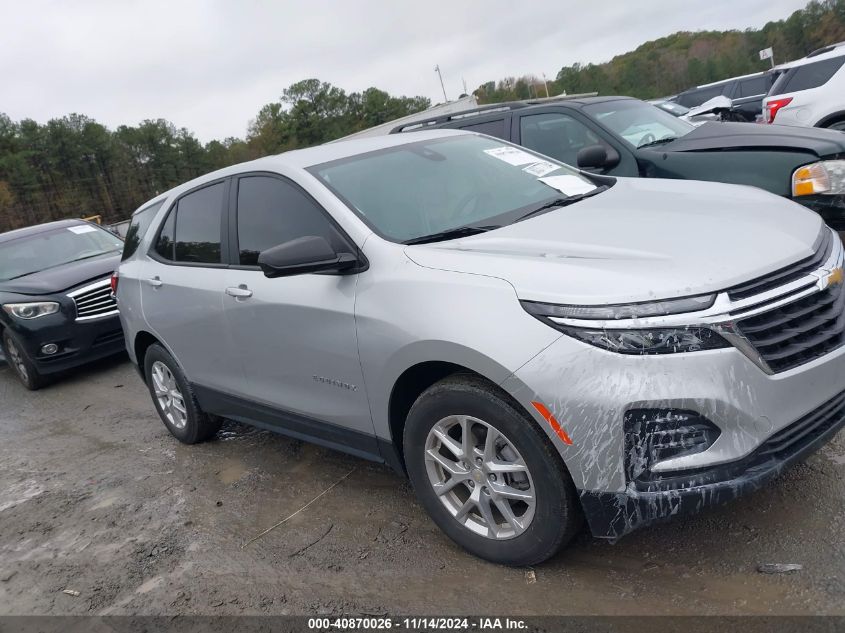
pixel 810 92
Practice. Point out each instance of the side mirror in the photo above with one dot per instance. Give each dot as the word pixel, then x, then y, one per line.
pixel 308 254
pixel 597 157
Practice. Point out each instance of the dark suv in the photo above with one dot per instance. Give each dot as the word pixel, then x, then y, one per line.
pixel 58 311
pixel 621 136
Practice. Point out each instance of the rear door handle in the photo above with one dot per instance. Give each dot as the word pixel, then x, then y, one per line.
pixel 155 282
pixel 241 292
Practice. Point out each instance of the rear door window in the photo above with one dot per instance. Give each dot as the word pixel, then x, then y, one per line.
pixel 808 76
pixel 138 228
pixel 695 98
pixel 752 87
pixel 192 231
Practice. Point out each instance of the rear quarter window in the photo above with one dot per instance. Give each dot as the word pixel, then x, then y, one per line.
pixel 138 228
pixel 808 76
pixel 490 128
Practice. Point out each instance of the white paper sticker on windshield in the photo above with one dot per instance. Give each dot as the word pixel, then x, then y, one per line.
pixel 81 229
pixel 540 169
pixel 568 185
pixel 511 155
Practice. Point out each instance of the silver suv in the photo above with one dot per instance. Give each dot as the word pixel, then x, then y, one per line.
pixel 530 344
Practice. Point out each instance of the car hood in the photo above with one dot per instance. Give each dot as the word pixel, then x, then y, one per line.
pixel 61 278
pixel 719 136
pixel 643 239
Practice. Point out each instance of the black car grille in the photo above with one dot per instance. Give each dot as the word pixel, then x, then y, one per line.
pixel 798 332
pixel 786 275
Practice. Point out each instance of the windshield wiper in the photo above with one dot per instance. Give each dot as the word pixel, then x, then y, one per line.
pixel 660 141
pixel 560 202
pixel 461 231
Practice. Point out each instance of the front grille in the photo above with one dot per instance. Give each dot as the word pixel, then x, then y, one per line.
pixel 94 300
pixel 800 331
pixel 786 275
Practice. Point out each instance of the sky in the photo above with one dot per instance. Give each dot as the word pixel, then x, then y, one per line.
pixel 210 65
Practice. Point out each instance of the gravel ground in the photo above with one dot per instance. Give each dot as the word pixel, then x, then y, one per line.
pixel 97 498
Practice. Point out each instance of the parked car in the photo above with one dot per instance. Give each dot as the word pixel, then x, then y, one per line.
pixel 531 344
pixel 620 136
pixel 57 310
pixel 712 110
pixel 810 92
pixel 746 93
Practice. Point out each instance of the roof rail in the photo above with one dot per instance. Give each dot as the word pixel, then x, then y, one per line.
pixel 505 106
pixel 826 49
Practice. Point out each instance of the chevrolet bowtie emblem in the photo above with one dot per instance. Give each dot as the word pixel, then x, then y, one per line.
pixel 837 276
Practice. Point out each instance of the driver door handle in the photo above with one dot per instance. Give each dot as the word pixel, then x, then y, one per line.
pixel 239 292
pixel 155 282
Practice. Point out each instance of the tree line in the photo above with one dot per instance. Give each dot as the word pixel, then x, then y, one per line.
pixel 682 60
pixel 77 167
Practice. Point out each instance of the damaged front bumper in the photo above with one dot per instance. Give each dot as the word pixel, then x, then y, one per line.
pixel 611 515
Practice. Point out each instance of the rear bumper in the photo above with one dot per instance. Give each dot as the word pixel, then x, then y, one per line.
pixel 611 515
pixel 79 342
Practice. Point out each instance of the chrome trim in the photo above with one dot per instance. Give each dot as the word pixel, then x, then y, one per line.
pixel 724 313
pixel 101 284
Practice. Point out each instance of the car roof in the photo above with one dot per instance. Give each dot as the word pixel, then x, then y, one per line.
pixel 831 52
pixel 729 80
pixel 38 228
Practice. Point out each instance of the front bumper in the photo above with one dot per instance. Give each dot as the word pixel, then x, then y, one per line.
pixel 79 342
pixel 589 390
pixel 831 208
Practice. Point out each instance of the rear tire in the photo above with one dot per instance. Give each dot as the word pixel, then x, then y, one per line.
pixel 174 399
pixel 22 366
pixel 523 531
pixel 838 125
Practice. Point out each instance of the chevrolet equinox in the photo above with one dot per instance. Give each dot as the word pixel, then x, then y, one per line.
pixel 532 345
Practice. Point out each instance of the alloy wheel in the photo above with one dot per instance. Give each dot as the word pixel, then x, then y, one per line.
pixel 480 477
pixel 17 359
pixel 170 398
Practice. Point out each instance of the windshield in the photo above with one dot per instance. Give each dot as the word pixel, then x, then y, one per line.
pixel 637 122
pixel 33 253
pixel 429 187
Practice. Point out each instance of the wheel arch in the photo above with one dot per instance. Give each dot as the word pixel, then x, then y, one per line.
pixel 833 117
pixel 143 341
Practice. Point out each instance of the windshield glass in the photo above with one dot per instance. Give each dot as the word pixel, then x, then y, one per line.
pixel 428 187
pixel 33 253
pixel 637 122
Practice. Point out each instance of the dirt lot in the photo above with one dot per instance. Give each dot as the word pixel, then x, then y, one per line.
pixel 97 497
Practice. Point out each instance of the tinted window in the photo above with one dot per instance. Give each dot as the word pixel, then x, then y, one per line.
pixel 164 243
pixel 492 128
pixel 273 211
pixel 556 135
pixel 198 226
pixel 695 98
pixel 138 228
pixel 752 87
pixel 637 122
pixel 807 76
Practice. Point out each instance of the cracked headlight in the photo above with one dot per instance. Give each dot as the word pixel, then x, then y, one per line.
pixel 669 340
pixel 651 341
pixel 827 177
pixel 31 310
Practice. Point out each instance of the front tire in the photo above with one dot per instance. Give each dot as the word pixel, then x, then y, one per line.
pixel 22 366
pixel 487 475
pixel 174 399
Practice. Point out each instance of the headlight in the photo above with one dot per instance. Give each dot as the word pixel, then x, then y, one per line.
pixel 827 176
pixel 651 341
pixel 669 340
pixel 31 310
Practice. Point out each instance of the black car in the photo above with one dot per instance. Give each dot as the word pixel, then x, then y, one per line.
pixel 621 136
pixel 58 311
